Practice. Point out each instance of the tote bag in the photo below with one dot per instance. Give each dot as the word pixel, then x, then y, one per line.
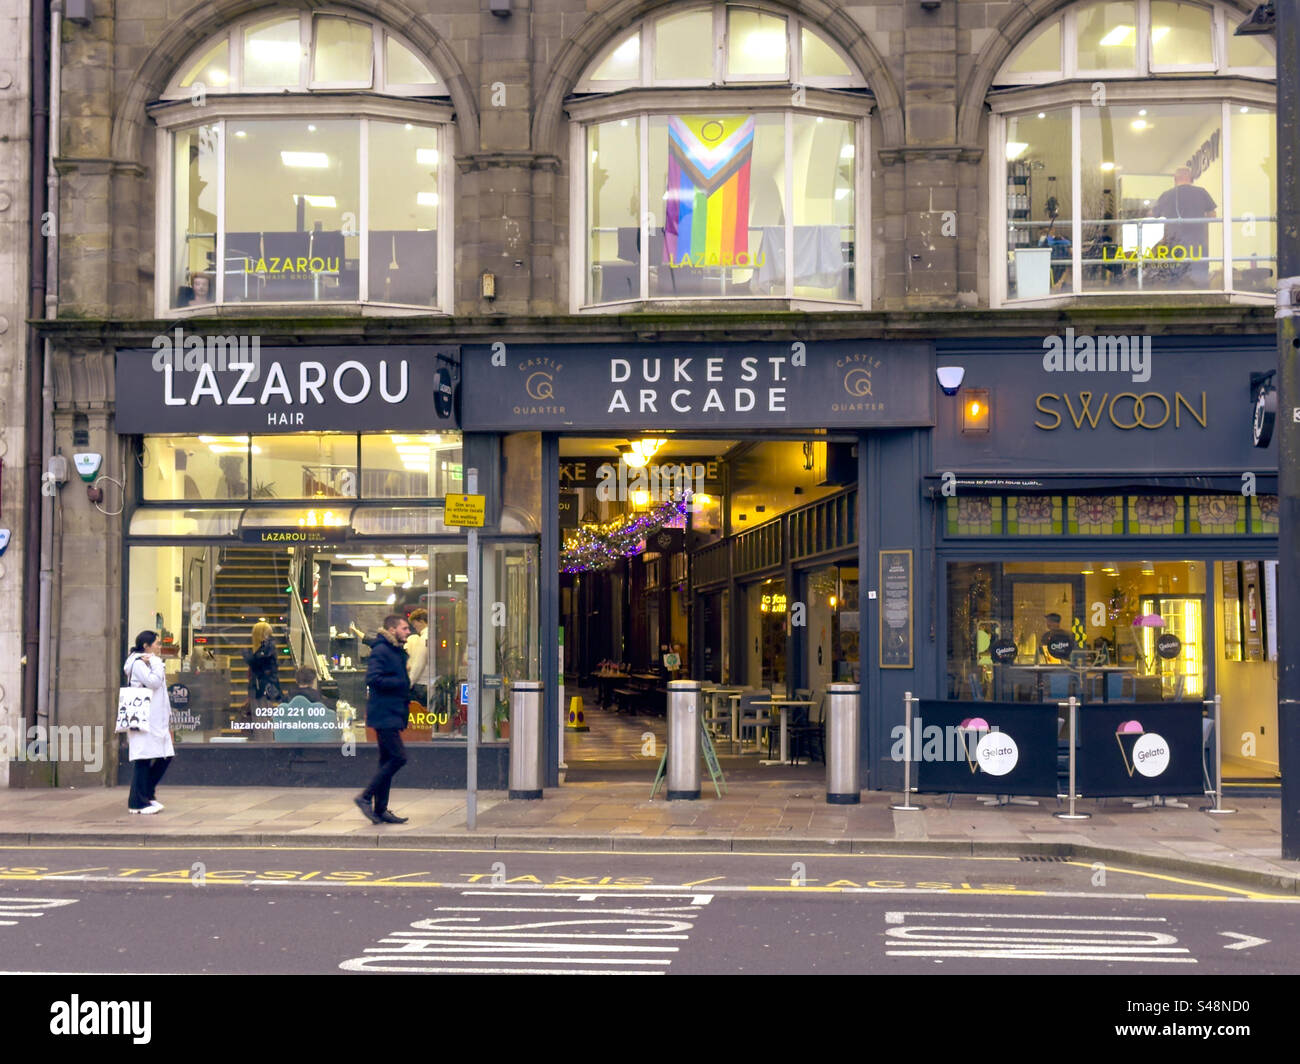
pixel 133 705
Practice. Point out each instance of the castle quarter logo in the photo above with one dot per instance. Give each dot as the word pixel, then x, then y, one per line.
pixel 857 383
pixel 538 378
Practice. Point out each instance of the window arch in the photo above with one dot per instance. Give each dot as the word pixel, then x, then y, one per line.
pixel 1133 151
pixel 727 141
pixel 304 160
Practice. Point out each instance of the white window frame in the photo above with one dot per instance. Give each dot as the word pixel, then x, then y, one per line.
pixel 643 105
pixel 179 116
pixel 719 76
pixel 1028 101
pixel 1221 26
pixel 306 38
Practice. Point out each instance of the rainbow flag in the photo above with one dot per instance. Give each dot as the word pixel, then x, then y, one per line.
pixel 707 220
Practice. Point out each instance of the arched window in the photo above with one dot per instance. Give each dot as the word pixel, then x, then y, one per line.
pixel 303 154
pixel 727 142
pixel 1134 151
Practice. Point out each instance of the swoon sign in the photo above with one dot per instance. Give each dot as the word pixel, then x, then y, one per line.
pixel 279 390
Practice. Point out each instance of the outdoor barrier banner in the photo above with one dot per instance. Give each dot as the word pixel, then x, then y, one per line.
pixel 1139 749
pixel 982 748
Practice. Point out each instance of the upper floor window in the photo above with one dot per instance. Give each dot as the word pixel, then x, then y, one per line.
pixel 277 195
pixel 751 192
pixel 1164 181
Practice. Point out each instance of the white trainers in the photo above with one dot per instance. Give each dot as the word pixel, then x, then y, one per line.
pixel 148 809
pixel 156 805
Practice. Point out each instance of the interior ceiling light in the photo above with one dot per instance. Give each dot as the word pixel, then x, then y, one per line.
pixel 306 160
pixel 647 446
pixel 631 456
pixel 1116 36
pixel 319 201
pixel 1015 149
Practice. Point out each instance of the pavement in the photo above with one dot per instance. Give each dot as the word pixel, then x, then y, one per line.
pixel 753 816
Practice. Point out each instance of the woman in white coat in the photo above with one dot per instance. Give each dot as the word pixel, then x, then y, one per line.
pixel 151 750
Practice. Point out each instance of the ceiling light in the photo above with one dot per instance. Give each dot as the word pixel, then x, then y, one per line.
pixel 426 199
pixel 1244 110
pixel 241 132
pixel 311 129
pixel 408 126
pixel 1116 36
pixel 1139 124
pixel 1108 167
pixel 218 77
pixel 305 160
pixel 1159 33
pixel 1015 149
pixel 319 201
pixel 1143 111
pixel 632 458
pixel 1042 114
pixel 426 156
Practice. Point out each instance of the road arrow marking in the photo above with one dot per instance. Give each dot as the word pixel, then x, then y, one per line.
pixel 1247 941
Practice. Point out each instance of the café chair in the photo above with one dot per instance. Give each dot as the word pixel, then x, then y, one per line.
pixel 752 717
pixel 807 731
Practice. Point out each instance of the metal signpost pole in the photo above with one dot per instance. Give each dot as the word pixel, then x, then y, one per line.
pixel 473 608
pixel 1282 19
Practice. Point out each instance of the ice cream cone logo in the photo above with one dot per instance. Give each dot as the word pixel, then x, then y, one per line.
pixel 971 731
pixel 1147 752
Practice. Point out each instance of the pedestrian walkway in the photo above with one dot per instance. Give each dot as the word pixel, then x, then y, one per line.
pixel 754 815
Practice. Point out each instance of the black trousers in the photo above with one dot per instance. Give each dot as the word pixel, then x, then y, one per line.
pixel 145 776
pixel 392 756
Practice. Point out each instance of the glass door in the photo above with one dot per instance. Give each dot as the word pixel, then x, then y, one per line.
pixel 1172 642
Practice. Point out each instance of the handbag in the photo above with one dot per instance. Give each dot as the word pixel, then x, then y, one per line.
pixel 133 707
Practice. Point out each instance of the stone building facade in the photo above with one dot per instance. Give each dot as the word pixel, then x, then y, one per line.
pixel 921 82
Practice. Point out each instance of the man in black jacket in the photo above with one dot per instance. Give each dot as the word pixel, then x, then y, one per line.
pixel 388 712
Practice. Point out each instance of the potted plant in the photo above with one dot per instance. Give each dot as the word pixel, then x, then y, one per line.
pixel 502 716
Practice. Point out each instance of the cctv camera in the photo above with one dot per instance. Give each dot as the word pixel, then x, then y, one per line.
pixel 950 378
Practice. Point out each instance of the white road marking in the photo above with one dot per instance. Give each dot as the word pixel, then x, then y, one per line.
pixel 1247 941
pixel 28 907
pixel 586 938
pixel 985 937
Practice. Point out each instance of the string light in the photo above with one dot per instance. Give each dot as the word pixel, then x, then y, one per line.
pixel 597 547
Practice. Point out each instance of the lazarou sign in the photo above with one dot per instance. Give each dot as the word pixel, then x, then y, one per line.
pixel 352 389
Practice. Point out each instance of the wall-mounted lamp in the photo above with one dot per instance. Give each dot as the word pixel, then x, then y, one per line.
pixel 975 411
pixel 488 285
pixel 930 5
pixel 950 378
pixel 500 8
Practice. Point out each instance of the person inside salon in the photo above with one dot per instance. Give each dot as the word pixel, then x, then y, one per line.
pixel 1186 200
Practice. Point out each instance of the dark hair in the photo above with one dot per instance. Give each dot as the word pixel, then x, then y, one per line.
pixel 143 640
pixel 305 677
pixel 393 620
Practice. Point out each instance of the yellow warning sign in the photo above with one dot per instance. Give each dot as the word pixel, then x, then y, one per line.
pixel 465 511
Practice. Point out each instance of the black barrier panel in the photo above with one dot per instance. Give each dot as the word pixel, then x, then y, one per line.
pixel 982 748
pixel 1139 749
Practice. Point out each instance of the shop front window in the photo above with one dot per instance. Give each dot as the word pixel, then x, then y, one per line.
pixel 1160 185
pixel 1045 631
pixel 312 466
pixel 334 200
pixel 700 202
pixel 322 604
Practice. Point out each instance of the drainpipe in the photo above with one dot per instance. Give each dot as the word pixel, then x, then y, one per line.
pixel 35 370
pixel 47 382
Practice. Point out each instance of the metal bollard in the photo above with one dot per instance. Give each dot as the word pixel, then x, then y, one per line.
pixel 843 784
pixel 684 739
pixel 526 739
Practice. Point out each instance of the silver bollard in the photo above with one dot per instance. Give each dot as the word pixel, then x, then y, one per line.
pixel 843 786
pixel 1072 814
pixel 526 739
pixel 909 700
pixel 1217 809
pixel 684 740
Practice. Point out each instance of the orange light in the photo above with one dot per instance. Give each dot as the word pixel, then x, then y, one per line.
pixel 975 411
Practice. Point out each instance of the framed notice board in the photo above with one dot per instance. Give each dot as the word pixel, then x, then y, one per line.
pixel 896 609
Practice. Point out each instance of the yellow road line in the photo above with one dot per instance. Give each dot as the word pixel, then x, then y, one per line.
pixel 1178 879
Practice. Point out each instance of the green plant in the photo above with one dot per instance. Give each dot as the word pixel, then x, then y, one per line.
pixel 263 490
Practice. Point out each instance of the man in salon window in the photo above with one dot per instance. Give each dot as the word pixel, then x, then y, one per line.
pixel 1186 200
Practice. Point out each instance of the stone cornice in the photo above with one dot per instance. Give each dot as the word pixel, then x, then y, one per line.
pixel 66 164
pixel 894 156
pixel 507 160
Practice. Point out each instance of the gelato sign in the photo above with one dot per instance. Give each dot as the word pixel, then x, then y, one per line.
pixel 836 384
pixel 276 389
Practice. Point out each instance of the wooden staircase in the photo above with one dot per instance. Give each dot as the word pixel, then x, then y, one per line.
pixel 249 586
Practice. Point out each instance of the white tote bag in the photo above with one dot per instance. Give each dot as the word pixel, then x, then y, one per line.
pixel 133 706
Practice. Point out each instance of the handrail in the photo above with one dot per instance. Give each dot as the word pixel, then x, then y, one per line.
pixel 302 646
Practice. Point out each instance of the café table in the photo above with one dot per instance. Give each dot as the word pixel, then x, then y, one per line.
pixel 783 704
